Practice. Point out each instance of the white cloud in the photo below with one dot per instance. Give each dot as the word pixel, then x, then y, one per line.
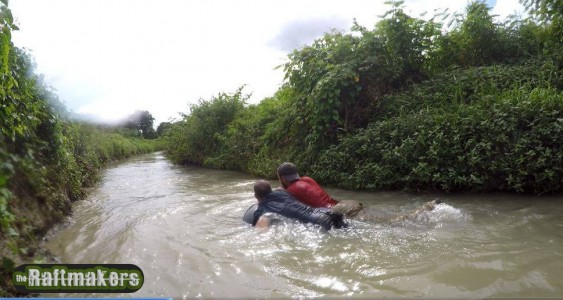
pixel 110 58
pixel 302 32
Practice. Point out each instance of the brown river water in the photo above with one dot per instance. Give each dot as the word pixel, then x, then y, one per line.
pixel 183 227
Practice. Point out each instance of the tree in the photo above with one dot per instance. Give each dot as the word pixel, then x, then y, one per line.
pixel 549 13
pixel 141 121
pixel 339 80
pixel 545 10
pixel 146 125
pixel 162 128
pixel 476 40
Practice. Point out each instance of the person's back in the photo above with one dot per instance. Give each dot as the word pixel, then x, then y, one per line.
pixel 280 202
pixel 308 191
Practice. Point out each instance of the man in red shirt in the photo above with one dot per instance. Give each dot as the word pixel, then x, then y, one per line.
pixel 308 191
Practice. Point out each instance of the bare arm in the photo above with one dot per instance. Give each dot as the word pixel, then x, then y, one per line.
pixel 263 222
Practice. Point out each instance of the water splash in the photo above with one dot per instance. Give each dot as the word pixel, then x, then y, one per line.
pixel 185 231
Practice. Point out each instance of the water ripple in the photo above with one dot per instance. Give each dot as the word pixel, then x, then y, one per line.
pixel 183 227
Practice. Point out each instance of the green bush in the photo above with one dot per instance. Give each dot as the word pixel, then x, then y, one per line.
pixel 196 138
pixel 508 142
pixel 464 86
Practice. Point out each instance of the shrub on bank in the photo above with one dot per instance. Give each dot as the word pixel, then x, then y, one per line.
pixel 196 138
pixel 36 189
pixel 88 148
pixel 511 141
pixel 464 86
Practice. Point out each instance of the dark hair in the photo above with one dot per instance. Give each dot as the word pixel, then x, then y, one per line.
pixel 288 171
pixel 262 188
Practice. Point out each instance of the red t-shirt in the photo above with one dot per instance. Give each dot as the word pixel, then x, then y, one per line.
pixel 308 191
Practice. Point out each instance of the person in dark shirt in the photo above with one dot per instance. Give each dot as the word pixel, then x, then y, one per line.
pixel 282 203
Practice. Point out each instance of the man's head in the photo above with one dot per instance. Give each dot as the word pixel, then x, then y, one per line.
pixel 287 173
pixel 261 189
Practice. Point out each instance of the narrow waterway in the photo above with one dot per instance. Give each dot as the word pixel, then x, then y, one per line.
pixel 182 226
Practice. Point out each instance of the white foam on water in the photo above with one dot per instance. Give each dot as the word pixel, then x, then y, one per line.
pixel 443 214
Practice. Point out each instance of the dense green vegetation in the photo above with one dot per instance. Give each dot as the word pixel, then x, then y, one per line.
pixel 405 105
pixel 47 159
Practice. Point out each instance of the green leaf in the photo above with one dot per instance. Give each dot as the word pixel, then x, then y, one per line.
pixel 24 250
pixel 12 232
pixel 7 15
pixel 7 263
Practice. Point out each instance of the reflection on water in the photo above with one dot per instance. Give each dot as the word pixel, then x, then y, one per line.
pixel 182 226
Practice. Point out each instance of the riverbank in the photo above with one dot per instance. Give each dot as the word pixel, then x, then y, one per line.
pixel 404 106
pixel 482 129
pixel 40 193
pixel 47 158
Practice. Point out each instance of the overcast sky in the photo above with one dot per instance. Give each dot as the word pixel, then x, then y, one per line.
pixel 108 58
